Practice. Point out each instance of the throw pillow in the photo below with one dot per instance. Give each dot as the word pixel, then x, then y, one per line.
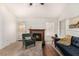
pixel 27 38
pixel 65 40
pixel 76 41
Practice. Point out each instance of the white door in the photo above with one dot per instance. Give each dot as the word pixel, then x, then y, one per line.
pixel 21 29
pixel 49 31
pixel 62 28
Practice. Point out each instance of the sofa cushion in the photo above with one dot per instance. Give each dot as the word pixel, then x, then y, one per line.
pixel 68 50
pixel 65 40
pixel 75 41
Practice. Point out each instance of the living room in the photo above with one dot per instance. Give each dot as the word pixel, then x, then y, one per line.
pixel 47 18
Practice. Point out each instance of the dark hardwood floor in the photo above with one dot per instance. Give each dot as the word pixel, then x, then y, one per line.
pixel 14 48
pixel 48 50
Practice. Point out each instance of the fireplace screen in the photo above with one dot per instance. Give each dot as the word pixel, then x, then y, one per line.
pixel 37 36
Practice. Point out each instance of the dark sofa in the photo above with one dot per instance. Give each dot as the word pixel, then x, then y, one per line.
pixel 72 50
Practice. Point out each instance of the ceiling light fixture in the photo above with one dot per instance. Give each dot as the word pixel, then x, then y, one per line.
pixel 30 4
pixel 42 3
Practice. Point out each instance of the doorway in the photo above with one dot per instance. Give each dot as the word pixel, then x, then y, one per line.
pixel 20 29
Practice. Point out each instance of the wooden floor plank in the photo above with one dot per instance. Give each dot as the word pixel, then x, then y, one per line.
pixel 48 50
pixel 10 50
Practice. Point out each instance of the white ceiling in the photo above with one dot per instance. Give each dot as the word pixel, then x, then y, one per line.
pixel 36 10
pixel 46 10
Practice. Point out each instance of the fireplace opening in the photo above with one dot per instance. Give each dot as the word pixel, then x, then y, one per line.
pixel 37 36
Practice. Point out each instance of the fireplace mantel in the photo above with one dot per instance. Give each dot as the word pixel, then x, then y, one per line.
pixel 37 29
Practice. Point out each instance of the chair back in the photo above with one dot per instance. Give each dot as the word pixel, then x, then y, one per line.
pixel 56 35
pixel 26 35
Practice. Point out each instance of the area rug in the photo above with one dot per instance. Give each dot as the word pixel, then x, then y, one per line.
pixel 32 50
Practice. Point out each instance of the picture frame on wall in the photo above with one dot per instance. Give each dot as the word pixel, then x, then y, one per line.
pixel 74 23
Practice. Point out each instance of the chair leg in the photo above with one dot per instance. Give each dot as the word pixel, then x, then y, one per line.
pixel 34 44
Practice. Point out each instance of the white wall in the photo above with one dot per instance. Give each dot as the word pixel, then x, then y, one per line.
pixel 35 23
pixel 62 28
pixel 7 27
pixel 67 31
pixel 70 10
pixel 40 23
pixel 73 32
pixel 1 32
